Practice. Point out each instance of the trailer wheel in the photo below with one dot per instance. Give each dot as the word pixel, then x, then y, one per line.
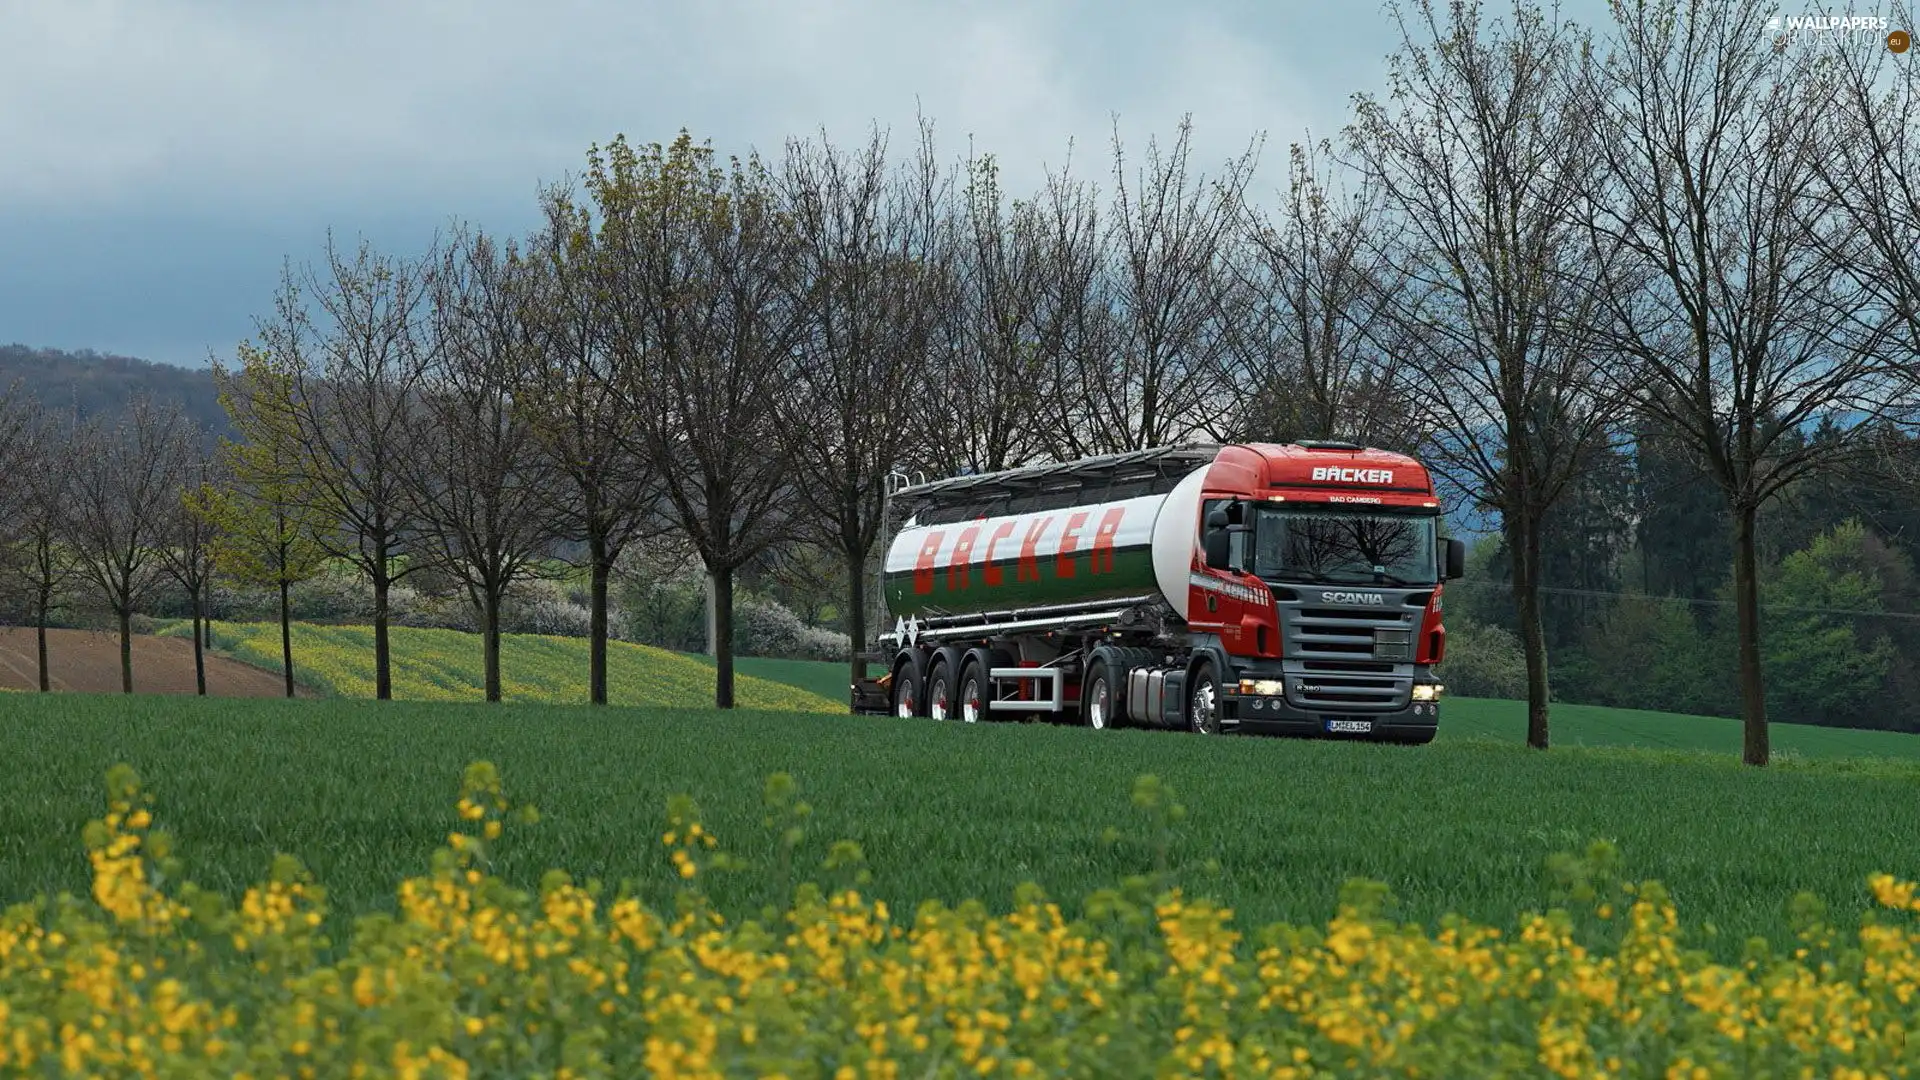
pixel 940 692
pixel 905 692
pixel 1097 709
pixel 975 693
pixel 1203 700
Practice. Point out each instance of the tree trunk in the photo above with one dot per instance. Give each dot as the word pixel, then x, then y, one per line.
pixel 722 642
pixel 1746 604
pixel 857 609
pixel 46 673
pixel 597 630
pixel 491 644
pixel 199 648
pixel 713 632
pixel 286 634
pixel 126 647
pixel 382 653
pixel 1523 540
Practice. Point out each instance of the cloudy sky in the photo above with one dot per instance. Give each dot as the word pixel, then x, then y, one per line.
pixel 160 158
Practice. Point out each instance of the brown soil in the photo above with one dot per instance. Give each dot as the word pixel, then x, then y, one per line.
pixel 89 661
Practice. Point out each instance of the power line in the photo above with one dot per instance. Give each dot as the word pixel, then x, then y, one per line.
pixel 1564 591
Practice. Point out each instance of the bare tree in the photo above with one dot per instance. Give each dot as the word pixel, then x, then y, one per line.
pixel 705 327
pixel 43 525
pixel 187 548
pixel 17 431
pixel 867 288
pixel 1315 353
pixel 972 405
pixel 607 492
pixel 1746 321
pixel 20 446
pixel 480 486
pixel 356 378
pixel 1484 155
pixel 125 478
pixel 1135 326
pixel 1873 176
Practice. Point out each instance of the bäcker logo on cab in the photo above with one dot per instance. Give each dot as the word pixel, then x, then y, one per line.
pixel 1352 476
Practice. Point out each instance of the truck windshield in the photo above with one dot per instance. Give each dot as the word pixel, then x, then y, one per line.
pixel 1344 546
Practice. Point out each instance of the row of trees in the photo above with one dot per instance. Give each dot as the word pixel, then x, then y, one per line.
pixel 114 507
pixel 1538 234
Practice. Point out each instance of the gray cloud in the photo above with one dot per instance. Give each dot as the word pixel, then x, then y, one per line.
pixel 162 155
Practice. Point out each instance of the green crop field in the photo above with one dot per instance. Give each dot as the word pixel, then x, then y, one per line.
pixel 363 792
pixel 446 665
pixel 830 681
pixel 1573 725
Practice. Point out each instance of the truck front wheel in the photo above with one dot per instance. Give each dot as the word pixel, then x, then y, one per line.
pixel 1203 700
pixel 1096 702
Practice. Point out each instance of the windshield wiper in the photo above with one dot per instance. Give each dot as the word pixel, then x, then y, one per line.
pixel 1373 577
pixel 1348 578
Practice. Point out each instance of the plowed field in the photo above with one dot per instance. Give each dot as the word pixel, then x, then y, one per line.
pixel 89 661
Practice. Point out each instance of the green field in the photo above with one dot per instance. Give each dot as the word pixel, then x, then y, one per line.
pixel 444 665
pixel 830 681
pixel 447 665
pixel 362 792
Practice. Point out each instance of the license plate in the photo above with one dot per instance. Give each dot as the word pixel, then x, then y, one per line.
pixel 1350 727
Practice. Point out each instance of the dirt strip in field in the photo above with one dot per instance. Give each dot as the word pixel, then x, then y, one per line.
pixel 89 661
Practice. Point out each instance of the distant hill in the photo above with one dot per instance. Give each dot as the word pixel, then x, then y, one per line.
pixel 96 383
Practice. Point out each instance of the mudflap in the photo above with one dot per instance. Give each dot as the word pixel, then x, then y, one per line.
pixel 871 698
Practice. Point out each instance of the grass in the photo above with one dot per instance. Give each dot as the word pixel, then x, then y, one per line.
pixel 830 681
pixel 363 792
pixel 1595 726
pixel 440 665
pixel 1506 721
pixel 447 665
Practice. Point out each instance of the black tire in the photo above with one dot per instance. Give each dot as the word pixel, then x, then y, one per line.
pixel 904 695
pixel 1098 708
pixel 1203 700
pixel 940 696
pixel 975 692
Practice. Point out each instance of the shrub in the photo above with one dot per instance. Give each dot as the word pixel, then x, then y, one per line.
pixel 1482 661
pixel 765 627
pixel 541 606
pixel 336 594
pixel 668 614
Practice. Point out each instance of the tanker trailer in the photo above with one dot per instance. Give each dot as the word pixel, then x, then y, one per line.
pixel 1275 588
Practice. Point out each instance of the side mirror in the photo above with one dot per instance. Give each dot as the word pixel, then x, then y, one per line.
pixel 1219 546
pixel 1456 558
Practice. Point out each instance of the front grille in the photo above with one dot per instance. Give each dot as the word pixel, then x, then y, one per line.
pixel 1347 659
pixel 1314 692
pixel 1343 634
pixel 1342 667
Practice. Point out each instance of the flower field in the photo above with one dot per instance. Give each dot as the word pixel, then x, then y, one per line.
pixel 446 665
pixel 467 976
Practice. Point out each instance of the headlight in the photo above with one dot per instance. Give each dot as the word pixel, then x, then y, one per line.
pixel 1262 686
pixel 1427 691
